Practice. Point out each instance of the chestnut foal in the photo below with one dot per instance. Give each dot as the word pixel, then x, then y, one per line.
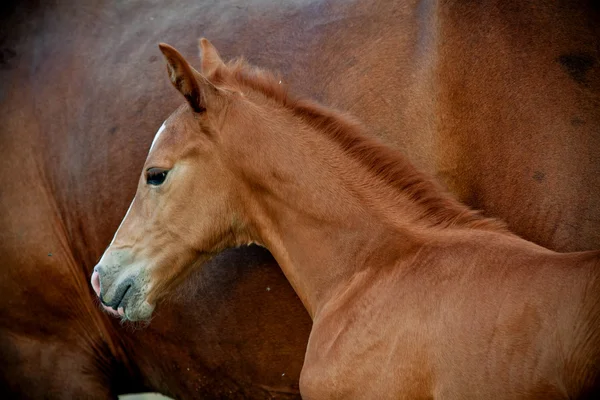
pixel 412 294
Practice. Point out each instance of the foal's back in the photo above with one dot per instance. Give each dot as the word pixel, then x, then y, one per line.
pixel 472 314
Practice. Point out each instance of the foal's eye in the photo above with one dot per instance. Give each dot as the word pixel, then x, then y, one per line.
pixel 156 176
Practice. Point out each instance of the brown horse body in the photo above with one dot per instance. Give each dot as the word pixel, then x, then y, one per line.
pixel 412 294
pixel 474 315
pixel 499 99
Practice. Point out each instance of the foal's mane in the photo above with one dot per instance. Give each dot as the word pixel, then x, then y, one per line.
pixel 439 208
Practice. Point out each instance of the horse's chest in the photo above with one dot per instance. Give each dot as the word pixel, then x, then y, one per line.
pixel 364 358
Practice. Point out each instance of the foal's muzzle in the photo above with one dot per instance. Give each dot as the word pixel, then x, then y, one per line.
pixel 118 298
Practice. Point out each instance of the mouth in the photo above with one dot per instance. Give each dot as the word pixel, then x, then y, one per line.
pixel 123 302
pixel 120 298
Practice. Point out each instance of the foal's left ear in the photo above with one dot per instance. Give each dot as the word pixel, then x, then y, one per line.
pixel 185 78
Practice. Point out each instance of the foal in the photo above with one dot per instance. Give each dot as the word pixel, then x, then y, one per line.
pixel 412 294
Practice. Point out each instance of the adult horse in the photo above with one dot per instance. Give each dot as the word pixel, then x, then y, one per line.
pixel 499 98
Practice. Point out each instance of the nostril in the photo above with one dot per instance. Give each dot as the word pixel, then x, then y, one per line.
pixel 96 282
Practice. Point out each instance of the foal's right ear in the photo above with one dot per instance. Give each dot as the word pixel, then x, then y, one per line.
pixel 211 60
pixel 184 77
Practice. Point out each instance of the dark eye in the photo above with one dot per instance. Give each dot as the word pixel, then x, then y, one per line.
pixel 156 176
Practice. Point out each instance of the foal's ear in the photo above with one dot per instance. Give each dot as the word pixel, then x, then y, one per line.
pixel 184 77
pixel 210 57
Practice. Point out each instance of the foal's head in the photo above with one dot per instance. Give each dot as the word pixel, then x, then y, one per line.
pixel 193 192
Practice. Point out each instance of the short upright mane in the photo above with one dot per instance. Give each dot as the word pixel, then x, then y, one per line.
pixel 439 208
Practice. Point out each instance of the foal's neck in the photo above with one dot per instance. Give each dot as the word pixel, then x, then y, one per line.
pixel 342 204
